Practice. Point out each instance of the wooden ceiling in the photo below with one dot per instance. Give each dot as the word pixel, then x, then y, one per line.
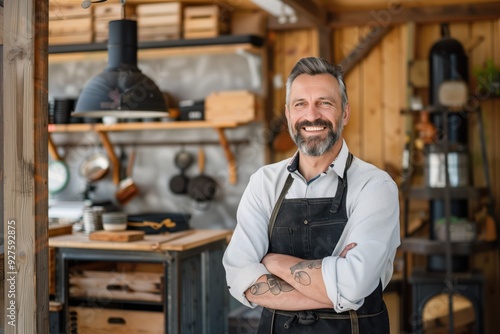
pixel 338 6
pixel 334 13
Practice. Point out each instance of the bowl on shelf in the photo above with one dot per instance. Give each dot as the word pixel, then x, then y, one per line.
pixel 114 221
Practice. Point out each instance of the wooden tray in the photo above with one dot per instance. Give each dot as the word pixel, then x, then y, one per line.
pixel 117 236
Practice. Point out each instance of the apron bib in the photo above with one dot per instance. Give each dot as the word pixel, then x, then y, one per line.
pixel 310 228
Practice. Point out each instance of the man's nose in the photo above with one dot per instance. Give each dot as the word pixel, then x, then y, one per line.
pixel 312 113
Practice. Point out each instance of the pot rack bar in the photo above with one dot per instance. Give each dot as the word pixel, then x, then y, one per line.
pixel 103 129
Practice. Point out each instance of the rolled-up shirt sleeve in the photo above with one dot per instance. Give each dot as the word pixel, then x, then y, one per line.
pixel 374 227
pixel 249 242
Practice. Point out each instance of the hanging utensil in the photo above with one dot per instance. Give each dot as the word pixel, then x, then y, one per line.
pixel 202 187
pixel 127 189
pixel 95 167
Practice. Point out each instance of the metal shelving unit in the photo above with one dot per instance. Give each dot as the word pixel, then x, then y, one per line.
pixel 427 281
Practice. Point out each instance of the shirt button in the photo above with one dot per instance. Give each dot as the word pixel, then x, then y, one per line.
pixel 306 222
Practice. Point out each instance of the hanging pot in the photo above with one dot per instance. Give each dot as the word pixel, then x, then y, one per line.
pixel 179 183
pixel 95 167
pixel 202 187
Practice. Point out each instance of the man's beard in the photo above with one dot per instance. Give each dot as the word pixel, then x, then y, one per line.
pixel 315 145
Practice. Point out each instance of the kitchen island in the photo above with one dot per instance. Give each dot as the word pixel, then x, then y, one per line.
pixel 165 283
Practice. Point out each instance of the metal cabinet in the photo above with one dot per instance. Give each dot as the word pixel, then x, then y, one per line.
pixel 194 294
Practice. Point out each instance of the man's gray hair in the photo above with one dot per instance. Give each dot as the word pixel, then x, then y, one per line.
pixel 313 66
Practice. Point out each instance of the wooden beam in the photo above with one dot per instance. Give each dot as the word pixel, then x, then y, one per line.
pixel 302 23
pixel 325 43
pixel 25 195
pixel 427 14
pixel 313 12
pixel 318 16
pixel 364 47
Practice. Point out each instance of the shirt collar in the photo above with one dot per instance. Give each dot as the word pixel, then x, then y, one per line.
pixel 338 165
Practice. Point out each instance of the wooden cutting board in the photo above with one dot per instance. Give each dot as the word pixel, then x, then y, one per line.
pixel 117 236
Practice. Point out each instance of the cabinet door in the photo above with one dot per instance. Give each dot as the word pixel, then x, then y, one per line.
pixel 91 320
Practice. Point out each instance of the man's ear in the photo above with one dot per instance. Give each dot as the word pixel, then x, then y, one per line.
pixel 347 114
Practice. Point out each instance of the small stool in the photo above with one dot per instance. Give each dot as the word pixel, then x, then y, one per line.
pixel 426 285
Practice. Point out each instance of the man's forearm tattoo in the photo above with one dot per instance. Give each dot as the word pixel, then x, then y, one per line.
pixel 274 284
pixel 301 276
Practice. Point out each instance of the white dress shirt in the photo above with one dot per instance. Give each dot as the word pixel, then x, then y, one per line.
pixel 373 224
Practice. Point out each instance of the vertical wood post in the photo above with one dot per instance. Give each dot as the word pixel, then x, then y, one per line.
pixel 24 131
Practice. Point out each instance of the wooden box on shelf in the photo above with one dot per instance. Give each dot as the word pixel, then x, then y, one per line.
pixel 69 24
pixel 119 281
pixel 205 21
pixel 237 105
pixel 106 12
pixel 91 320
pixel 159 21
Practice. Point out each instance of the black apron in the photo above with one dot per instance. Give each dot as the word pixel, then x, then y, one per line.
pixel 310 228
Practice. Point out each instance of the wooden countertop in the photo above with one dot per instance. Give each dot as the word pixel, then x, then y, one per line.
pixel 178 241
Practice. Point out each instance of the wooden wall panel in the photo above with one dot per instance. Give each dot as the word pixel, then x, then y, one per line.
pixel 371 111
pixel 393 87
pixel 344 41
pixel 289 47
pixel 24 131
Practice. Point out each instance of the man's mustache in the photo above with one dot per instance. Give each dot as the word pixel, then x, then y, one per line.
pixel 318 122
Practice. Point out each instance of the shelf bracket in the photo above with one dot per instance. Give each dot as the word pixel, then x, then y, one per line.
pixel 53 150
pixel 111 154
pixel 233 173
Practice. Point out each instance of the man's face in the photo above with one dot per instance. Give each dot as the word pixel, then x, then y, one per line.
pixel 314 113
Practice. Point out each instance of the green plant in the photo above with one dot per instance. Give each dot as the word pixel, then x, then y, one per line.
pixel 488 78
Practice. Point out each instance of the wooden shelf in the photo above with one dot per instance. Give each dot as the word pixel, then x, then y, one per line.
pixel 424 246
pixel 103 129
pixel 139 126
pixel 158 49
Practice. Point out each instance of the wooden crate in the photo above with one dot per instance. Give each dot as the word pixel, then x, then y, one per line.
pixel 78 25
pixel 159 21
pixel 204 21
pixel 249 23
pixel 106 12
pixel 110 11
pixel 135 282
pixel 58 11
pixel 69 24
pixel 70 31
pixel 97 320
pixel 238 105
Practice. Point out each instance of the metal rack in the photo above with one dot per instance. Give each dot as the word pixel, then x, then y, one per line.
pixel 429 284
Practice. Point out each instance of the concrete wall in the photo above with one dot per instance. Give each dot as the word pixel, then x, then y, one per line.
pixel 186 77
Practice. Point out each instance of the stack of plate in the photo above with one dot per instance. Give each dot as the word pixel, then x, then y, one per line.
pixel 114 221
pixel 60 110
pixel 92 219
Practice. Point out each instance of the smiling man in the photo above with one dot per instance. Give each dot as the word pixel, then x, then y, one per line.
pixel 317 233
